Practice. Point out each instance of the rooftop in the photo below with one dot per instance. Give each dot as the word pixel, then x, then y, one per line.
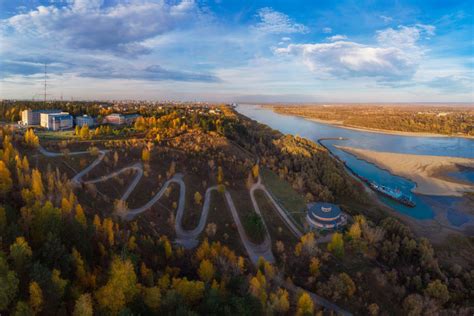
pixel 325 211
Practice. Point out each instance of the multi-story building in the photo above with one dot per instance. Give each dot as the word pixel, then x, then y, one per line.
pixel 33 117
pixel 56 121
pixel 85 120
pixel 121 119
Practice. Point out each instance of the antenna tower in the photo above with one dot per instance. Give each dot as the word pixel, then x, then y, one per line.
pixel 45 84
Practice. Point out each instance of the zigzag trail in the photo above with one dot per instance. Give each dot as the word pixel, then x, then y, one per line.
pixel 189 238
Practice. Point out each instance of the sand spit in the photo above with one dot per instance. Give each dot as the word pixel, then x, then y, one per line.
pixel 426 171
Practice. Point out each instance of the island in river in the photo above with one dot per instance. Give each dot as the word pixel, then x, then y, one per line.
pixel 428 172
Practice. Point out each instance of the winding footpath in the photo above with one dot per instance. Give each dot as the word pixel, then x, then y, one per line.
pixel 186 238
pixel 190 238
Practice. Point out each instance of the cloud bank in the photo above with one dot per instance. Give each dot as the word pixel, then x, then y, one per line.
pixel 85 24
pixel 395 56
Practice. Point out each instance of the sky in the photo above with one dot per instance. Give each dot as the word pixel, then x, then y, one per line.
pixel 238 51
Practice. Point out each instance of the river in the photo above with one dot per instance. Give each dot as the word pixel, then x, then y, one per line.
pixel 426 206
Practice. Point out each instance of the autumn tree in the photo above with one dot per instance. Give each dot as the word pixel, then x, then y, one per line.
pixel 258 287
pixel 305 305
pixel 314 267
pixel 255 171
pixel 80 273
pixel 8 284
pixel 220 175
pixel 84 132
pixel 58 282
pixel 108 228
pixel 197 198
pixel 152 297
pixel 145 155
pixel 121 287
pixel 31 139
pixel 191 291
pixel 140 124
pixel 20 254
pixel 66 206
pixel 36 297
pixel 336 245
pixel 307 246
pixel 5 179
pixel 439 291
pixel 37 184
pixel 23 309
pixel 355 231
pixel 206 270
pixel 279 301
pixel 83 306
pixel 80 216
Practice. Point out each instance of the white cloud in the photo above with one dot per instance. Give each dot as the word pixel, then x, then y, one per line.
pixel 274 22
pixel 336 38
pixel 396 56
pixel 85 24
pixel 327 30
pixel 452 83
pixel 386 19
pixel 87 5
pixel 404 36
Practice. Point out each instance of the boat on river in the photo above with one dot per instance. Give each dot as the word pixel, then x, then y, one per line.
pixel 394 194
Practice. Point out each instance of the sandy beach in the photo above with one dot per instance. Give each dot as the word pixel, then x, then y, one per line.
pixel 426 171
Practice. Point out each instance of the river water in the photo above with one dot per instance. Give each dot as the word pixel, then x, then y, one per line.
pixel 437 146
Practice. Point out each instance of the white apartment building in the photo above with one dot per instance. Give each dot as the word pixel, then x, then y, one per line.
pixel 56 121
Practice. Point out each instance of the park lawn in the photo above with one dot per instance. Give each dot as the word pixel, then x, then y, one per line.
pixel 69 165
pixel 157 219
pixel 56 135
pixel 226 232
pixel 193 211
pixel 275 225
pixel 290 200
pixel 241 197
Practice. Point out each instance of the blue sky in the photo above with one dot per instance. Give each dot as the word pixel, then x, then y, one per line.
pixel 239 51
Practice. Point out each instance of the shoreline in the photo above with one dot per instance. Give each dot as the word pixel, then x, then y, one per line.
pixel 371 130
pixel 421 169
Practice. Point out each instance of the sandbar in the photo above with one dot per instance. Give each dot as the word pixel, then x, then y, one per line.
pixel 426 171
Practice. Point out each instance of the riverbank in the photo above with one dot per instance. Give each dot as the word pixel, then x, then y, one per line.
pixel 340 123
pixel 384 131
pixel 425 171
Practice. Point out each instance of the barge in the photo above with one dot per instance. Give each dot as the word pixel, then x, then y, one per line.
pixel 394 194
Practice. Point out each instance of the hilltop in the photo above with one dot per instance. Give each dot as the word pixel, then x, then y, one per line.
pixel 197 209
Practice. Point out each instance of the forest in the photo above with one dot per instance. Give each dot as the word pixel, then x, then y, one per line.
pixel 65 250
pixel 447 120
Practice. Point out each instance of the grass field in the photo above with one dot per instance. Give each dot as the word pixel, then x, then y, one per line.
pixel 286 196
pixel 193 211
pixel 226 231
pixel 277 228
pixel 56 135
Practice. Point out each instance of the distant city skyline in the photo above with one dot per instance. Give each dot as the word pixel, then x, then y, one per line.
pixel 238 51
